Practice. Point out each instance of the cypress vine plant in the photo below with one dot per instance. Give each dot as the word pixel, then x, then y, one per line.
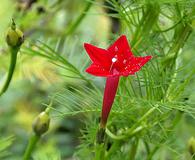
pixel 148 106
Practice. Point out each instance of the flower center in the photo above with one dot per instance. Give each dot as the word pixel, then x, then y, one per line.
pixel 114 59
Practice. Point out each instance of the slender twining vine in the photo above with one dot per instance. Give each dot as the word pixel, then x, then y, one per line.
pixel 73 26
pixel 14 40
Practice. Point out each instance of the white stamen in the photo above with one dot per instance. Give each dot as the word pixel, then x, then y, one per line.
pixel 114 59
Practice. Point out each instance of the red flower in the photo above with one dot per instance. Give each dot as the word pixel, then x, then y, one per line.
pixel 116 61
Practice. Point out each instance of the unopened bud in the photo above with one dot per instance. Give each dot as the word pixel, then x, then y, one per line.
pixel 191 146
pixel 14 36
pixel 41 123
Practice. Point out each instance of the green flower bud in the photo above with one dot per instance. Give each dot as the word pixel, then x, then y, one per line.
pixel 191 146
pixel 41 123
pixel 14 36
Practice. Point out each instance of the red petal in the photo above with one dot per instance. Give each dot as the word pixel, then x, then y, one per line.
pixel 97 70
pixel 140 61
pixel 120 47
pixel 135 64
pixel 98 55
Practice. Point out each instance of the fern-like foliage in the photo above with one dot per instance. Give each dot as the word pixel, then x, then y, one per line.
pixel 5 143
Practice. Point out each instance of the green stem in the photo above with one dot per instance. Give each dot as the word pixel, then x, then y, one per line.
pixel 115 146
pixel 31 145
pixel 99 152
pixel 151 110
pixel 181 37
pixel 147 147
pixel 134 129
pixel 149 19
pixel 13 59
pixel 134 149
pixel 149 157
pixel 74 25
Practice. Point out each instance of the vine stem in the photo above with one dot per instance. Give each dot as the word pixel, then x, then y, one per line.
pixel 31 145
pixel 74 25
pixel 13 60
pixel 133 130
pixel 134 149
pixel 99 152
pixel 115 146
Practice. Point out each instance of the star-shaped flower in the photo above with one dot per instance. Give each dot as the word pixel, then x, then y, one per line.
pixel 117 60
